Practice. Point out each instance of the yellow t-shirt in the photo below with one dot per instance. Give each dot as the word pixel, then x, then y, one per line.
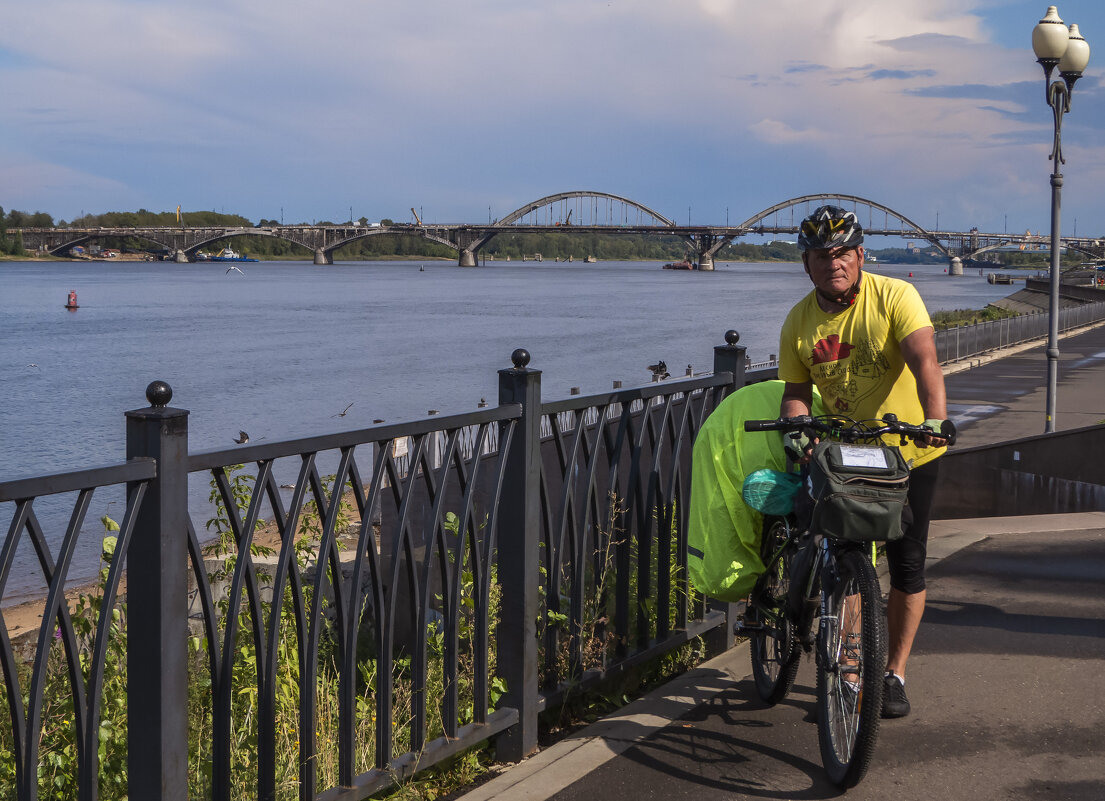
pixel 853 356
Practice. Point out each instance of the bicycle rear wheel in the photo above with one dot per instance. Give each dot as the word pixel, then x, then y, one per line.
pixel 773 644
pixel 852 661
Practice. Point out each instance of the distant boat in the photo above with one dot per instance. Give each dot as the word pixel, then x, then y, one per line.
pixel 228 254
pixel 679 265
pixel 590 260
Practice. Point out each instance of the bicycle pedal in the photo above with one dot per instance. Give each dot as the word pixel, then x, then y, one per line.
pixel 742 628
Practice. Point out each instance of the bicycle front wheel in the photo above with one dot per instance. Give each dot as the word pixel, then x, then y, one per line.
pixel 852 661
pixel 773 644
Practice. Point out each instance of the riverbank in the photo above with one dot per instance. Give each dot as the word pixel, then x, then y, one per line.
pixel 134 257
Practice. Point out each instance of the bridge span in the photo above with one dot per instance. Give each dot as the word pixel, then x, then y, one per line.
pixel 593 212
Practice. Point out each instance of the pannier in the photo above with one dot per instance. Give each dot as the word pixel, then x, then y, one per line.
pixel 859 491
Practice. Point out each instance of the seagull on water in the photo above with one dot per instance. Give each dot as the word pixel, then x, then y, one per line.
pixel 344 411
pixel 234 267
pixel 243 438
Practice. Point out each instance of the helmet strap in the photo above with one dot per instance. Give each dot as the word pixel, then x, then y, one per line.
pixel 845 299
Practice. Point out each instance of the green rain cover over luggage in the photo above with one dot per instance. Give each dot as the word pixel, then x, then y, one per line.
pixel 723 532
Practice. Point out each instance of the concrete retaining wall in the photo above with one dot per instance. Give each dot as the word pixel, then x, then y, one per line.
pixel 1043 474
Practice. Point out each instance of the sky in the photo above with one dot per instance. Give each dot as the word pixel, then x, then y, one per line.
pixel 707 110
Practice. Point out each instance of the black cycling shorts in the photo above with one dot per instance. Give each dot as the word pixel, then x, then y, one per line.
pixel 906 556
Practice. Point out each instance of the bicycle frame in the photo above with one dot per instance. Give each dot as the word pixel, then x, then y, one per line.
pixel 823 568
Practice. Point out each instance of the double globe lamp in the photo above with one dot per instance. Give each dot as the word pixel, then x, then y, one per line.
pixel 1056 45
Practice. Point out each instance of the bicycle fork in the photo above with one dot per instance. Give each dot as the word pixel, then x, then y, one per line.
pixel 827 659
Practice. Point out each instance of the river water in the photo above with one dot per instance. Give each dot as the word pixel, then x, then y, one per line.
pixel 283 347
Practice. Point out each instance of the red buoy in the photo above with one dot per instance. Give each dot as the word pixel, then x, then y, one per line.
pixel 71 303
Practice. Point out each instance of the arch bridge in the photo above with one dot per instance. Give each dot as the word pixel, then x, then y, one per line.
pixel 579 211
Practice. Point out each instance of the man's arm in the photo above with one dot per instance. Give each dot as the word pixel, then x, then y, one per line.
pixel 919 352
pixel 797 399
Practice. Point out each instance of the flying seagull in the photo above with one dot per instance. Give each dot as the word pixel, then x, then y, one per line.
pixel 32 364
pixel 344 412
pixel 234 267
pixel 243 438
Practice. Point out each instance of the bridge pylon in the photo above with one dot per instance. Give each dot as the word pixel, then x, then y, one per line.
pixel 706 245
pixel 955 266
pixel 323 256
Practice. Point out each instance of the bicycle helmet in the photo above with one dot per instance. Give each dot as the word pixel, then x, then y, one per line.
pixel 830 227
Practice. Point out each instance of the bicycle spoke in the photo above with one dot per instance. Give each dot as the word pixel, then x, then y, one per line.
pixel 774 650
pixel 852 655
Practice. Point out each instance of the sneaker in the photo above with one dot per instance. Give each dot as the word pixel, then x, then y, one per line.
pixel 894 702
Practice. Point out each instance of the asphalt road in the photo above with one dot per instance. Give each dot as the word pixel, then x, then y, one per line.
pixel 1005 398
pixel 1007 684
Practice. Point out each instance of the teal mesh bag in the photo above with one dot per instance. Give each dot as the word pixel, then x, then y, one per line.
pixel 771 491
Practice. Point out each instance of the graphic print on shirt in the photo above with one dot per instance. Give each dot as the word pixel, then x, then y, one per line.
pixel 846 373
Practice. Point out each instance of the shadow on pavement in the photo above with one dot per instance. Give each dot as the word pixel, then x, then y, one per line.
pixel 960 613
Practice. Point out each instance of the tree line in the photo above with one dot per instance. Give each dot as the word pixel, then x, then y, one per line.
pixel 11 245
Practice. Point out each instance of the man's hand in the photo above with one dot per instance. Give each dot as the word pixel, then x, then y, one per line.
pixel 798 446
pixel 943 433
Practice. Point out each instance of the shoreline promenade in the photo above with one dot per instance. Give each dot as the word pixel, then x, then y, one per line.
pixel 1007 677
pixel 1003 397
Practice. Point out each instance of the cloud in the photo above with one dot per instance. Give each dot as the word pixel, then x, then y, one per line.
pixel 775 132
pixel 974 91
pixel 900 75
pixel 804 67
pixel 926 42
pixel 34 186
pixel 256 105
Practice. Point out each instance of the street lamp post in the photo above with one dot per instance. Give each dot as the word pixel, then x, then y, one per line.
pixel 1056 45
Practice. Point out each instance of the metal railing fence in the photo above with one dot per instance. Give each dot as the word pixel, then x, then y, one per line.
pixel 327 637
pixel 964 342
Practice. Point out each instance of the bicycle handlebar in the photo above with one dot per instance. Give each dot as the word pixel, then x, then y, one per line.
pixel 848 430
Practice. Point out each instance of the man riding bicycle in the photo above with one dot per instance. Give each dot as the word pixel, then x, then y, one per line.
pixel 866 342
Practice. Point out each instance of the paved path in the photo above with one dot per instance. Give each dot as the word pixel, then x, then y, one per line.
pixel 1007 677
pixel 1012 387
pixel 1007 682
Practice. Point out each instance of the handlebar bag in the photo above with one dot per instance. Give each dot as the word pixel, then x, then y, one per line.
pixel 859 491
